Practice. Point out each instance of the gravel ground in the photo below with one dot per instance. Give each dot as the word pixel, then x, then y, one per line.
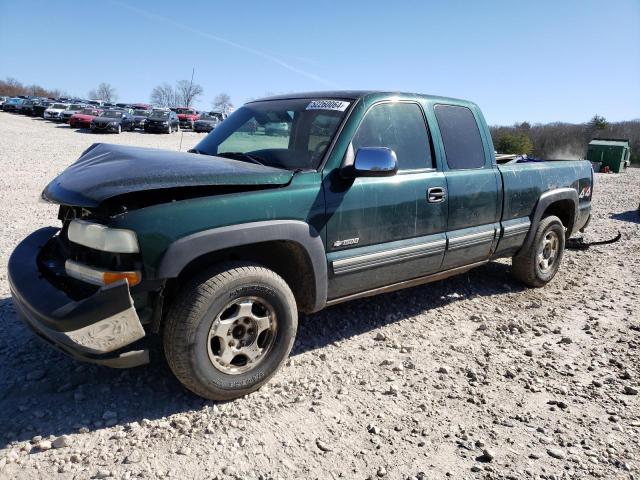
pixel 472 377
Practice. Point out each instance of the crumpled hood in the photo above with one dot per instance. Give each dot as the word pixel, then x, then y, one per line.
pixel 105 171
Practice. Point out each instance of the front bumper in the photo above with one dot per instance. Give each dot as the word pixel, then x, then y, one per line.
pixel 79 124
pixel 102 328
pixel 155 128
pixel 101 128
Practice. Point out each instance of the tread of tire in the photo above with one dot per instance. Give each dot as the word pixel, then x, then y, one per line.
pixel 523 266
pixel 193 297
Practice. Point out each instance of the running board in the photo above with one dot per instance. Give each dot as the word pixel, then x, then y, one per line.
pixel 407 283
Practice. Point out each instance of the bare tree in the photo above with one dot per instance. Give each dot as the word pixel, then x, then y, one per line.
pixel 105 92
pixel 188 92
pixel 12 87
pixel 164 96
pixel 222 103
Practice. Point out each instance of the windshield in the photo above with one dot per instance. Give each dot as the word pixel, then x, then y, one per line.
pixel 140 113
pixel 208 116
pixel 75 107
pixel 159 114
pixel 185 110
pixel 58 105
pixel 111 114
pixel 88 111
pixel 289 134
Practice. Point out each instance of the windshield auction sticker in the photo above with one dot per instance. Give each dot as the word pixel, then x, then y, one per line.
pixel 337 105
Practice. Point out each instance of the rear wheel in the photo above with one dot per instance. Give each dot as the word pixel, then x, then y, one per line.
pixel 229 330
pixel 540 262
pixel 169 129
pixel 119 128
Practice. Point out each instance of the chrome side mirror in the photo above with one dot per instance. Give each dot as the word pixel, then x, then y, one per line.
pixel 372 162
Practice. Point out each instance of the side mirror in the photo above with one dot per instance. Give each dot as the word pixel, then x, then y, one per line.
pixel 373 162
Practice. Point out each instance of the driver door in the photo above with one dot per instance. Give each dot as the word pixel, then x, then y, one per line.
pixel 387 229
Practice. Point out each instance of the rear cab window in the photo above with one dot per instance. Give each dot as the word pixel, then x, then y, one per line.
pixel 460 134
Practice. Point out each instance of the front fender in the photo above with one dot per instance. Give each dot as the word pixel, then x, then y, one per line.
pixel 184 250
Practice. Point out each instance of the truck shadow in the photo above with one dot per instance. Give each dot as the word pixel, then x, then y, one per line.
pixel 632 216
pixel 44 392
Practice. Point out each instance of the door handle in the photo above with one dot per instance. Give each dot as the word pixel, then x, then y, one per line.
pixel 436 194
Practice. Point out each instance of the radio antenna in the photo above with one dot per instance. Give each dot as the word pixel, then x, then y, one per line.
pixel 193 71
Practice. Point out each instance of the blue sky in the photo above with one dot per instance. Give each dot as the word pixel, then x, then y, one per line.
pixel 537 60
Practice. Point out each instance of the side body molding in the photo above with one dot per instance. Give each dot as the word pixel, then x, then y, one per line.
pixel 545 200
pixel 181 252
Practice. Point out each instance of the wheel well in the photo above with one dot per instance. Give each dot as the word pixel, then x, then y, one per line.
pixel 564 210
pixel 288 259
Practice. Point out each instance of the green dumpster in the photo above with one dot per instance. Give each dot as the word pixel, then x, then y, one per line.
pixel 610 152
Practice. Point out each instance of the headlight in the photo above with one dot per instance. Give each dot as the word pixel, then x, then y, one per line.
pixel 165 123
pixel 114 124
pixel 99 237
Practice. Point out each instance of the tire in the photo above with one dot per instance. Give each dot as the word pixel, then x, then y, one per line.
pixel 119 129
pixel 210 304
pixel 540 262
pixel 169 129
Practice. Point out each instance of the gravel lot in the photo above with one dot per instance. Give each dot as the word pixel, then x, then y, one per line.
pixel 472 377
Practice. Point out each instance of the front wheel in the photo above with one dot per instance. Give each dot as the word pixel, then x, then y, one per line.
pixel 119 128
pixel 169 129
pixel 540 262
pixel 230 329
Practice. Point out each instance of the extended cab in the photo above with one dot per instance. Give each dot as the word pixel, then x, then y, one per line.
pixel 216 251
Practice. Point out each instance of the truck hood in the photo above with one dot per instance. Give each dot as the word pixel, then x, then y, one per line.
pixel 105 171
pixel 187 116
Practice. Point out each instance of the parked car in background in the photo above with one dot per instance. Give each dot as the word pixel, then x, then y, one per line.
pixel 3 99
pixel 12 104
pixel 27 106
pixel 142 106
pixel 54 111
pixel 187 116
pixel 83 118
pixel 162 121
pixel 38 110
pixel 207 122
pixel 70 111
pixel 140 117
pixel 277 129
pixel 112 121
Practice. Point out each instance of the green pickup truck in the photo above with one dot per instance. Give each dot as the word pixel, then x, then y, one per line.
pixel 214 252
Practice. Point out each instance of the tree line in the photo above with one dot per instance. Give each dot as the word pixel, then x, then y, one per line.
pixel 10 87
pixel 560 140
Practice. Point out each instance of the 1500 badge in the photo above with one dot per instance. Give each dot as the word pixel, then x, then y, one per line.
pixel 348 241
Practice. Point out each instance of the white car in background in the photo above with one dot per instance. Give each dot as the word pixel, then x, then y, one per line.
pixel 54 111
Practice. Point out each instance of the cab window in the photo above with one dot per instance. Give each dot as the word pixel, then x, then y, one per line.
pixel 401 127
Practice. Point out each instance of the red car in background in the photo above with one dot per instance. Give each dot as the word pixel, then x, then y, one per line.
pixel 83 119
pixel 187 116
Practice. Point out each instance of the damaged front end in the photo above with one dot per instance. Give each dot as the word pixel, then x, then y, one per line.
pixel 93 323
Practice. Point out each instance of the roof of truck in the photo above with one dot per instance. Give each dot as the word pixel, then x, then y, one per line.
pixel 350 95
